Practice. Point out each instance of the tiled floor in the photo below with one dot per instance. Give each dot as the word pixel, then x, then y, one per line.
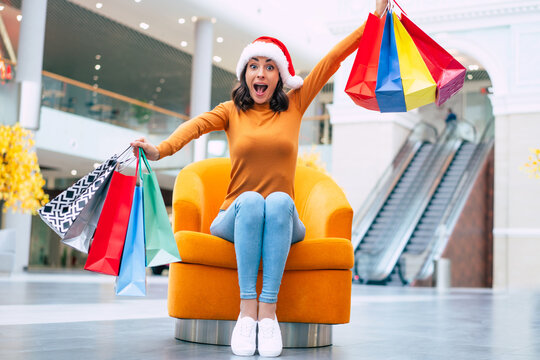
pixel 73 316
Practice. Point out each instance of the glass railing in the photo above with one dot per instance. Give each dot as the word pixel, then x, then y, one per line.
pixel 72 96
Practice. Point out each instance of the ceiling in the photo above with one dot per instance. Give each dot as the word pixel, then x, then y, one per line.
pixel 135 62
pixel 152 65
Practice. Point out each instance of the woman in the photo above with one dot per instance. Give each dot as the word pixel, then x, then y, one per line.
pixel 258 215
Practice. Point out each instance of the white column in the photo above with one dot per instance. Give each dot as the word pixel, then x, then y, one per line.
pixel 22 223
pixel 30 61
pixel 201 78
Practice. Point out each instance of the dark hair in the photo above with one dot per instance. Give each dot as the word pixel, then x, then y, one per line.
pixel 243 100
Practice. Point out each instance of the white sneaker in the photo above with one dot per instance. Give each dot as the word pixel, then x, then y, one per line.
pixel 243 336
pixel 270 343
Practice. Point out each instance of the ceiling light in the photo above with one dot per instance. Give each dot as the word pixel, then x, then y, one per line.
pixel 161 81
pixel 474 67
pixel 137 1
pixel 144 26
pixel 96 86
pixel 151 102
pixel 97 67
pixel 99 5
pixel 194 18
pixel 214 20
pixel 73 172
pixel 219 39
pixel 181 21
pixel 183 43
pixel 158 89
pixel 470 77
pixel 217 58
pixel 98 57
pixel 95 78
pixel 19 18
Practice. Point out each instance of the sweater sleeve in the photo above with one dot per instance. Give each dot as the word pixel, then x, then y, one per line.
pixel 217 119
pixel 324 70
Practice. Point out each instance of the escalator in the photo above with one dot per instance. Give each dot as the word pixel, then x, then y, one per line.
pixel 389 210
pixel 405 236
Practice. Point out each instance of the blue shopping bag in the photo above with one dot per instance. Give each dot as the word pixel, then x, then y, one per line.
pixel 131 280
pixel 389 89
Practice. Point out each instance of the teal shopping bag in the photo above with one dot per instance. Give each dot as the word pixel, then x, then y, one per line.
pixel 131 280
pixel 161 246
pixel 389 89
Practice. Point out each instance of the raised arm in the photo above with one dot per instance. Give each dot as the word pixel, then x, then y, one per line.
pixel 329 64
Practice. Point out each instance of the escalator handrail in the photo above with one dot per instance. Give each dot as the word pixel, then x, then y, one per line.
pixel 458 201
pixel 389 251
pixel 420 202
pixel 372 205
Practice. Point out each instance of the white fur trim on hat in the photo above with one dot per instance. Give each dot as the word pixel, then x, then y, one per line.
pixel 273 52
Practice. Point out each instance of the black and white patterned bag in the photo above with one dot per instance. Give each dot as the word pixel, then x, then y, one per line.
pixel 73 214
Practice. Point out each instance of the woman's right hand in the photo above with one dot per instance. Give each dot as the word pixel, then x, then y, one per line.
pixel 151 152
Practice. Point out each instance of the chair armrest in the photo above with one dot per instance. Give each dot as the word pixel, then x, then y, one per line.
pixel 187 202
pixel 327 213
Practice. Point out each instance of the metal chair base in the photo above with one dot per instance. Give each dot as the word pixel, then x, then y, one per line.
pixel 218 332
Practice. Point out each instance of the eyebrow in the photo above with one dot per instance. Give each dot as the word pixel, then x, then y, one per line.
pixel 257 59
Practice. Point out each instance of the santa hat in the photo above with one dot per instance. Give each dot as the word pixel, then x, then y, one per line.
pixel 274 49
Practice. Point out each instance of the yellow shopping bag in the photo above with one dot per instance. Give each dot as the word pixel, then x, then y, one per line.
pixel 418 84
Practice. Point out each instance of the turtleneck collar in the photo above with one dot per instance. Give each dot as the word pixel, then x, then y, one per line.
pixel 265 106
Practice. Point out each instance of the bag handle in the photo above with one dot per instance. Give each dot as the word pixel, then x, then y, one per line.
pixel 143 156
pixel 395 2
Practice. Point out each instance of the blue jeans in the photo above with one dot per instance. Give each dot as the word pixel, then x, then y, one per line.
pixel 260 228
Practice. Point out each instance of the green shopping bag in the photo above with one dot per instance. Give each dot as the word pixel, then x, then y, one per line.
pixel 161 246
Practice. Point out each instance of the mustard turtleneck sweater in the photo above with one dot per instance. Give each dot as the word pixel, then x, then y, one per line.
pixel 263 144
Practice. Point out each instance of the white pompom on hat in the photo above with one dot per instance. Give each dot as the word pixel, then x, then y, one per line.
pixel 274 49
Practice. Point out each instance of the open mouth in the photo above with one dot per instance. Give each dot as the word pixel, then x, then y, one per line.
pixel 260 89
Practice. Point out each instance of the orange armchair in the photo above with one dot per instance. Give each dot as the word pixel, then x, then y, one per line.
pixel 316 286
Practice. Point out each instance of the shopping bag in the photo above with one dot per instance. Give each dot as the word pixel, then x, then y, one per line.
pixel 447 72
pixel 161 246
pixel 81 232
pixel 131 280
pixel 389 90
pixel 363 78
pixel 419 88
pixel 106 249
pixel 62 211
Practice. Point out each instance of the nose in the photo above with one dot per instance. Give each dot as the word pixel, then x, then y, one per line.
pixel 261 72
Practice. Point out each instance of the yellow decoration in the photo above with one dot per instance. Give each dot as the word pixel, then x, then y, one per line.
pixel 21 183
pixel 313 160
pixel 533 166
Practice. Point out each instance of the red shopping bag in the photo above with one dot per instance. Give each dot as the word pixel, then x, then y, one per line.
pixel 363 78
pixel 106 248
pixel 447 72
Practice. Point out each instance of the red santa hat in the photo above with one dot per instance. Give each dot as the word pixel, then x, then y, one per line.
pixel 274 49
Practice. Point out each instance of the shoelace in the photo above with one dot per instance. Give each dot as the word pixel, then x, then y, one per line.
pixel 246 328
pixel 267 331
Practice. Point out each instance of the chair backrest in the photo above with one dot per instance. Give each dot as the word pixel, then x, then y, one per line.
pixel 205 183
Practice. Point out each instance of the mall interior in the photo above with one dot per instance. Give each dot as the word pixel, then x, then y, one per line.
pixel 445 229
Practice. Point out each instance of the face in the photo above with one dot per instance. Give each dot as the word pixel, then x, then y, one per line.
pixel 262 76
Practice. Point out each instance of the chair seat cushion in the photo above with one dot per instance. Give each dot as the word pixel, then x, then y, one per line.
pixel 309 254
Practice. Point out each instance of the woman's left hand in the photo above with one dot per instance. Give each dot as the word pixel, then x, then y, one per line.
pixel 380 5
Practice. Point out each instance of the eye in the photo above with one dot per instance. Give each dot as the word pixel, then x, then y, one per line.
pixel 270 67
pixel 253 66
